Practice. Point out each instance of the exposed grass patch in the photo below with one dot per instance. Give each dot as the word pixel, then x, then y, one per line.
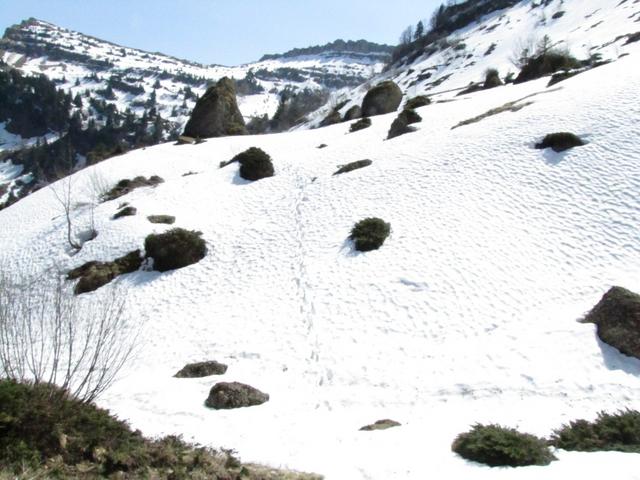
pixel 176 248
pixel 498 446
pixel 48 434
pixel 380 425
pixel 94 275
pixel 619 432
pixel 166 219
pixel 126 186
pixel 349 167
pixel 370 233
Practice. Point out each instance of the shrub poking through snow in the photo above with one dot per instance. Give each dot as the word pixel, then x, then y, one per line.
pixel 360 125
pixel 617 317
pixel 370 233
pixel 202 369
pixel 255 164
pixel 383 98
pixel 546 64
pixel 353 113
pixel 176 248
pixel 492 79
pixel 400 125
pixel 417 102
pixel 234 395
pixel 349 167
pixel 166 219
pixel 331 119
pixel 560 141
pixel 619 432
pixel 498 446
pixel 94 275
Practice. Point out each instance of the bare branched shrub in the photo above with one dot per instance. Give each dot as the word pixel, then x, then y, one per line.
pixel 48 336
pixel 64 195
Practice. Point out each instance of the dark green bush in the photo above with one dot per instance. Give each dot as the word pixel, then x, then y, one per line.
pixel 176 248
pixel 370 233
pixel 360 124
pixel 492 79
pixel 619 432
pixel 560 141
pixel 417 102
pixel 45 433
pixel 498 446
pixel 400 125
pixel 255 164
pixel 127 211
pixel 40 422
pixel 617 317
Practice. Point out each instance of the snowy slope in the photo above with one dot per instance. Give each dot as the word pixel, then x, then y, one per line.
pixel 80 62
pixel 583 27
pixel 468 313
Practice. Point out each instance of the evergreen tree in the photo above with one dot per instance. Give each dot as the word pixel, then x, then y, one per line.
pixel 419 33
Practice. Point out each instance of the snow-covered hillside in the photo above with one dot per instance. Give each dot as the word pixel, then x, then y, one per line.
pixel 468 313
pixel 585 28
pixel 80 62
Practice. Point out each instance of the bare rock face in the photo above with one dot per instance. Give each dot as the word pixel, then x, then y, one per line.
pixel 216 114
pixel 225 395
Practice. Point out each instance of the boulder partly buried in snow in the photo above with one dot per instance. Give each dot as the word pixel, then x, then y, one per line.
pixel 225 395
pixel 216 114
pixel 617 317
pixel 202 369
pixel 383 98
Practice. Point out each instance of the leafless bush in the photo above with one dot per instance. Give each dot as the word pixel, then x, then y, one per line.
pixel 48 336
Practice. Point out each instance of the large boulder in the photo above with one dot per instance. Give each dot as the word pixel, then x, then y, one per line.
pixel 225 395
pixel 383 98
pixel 216 114
pixel 617 317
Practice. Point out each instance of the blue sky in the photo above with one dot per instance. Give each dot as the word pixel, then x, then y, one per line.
pixel 227 32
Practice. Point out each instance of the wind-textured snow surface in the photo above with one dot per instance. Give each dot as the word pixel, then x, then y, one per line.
pixel 468 313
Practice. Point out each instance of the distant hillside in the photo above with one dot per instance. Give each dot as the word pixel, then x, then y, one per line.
pixel 360 48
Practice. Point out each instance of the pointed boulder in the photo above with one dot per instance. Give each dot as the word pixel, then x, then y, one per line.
pixel 216 114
